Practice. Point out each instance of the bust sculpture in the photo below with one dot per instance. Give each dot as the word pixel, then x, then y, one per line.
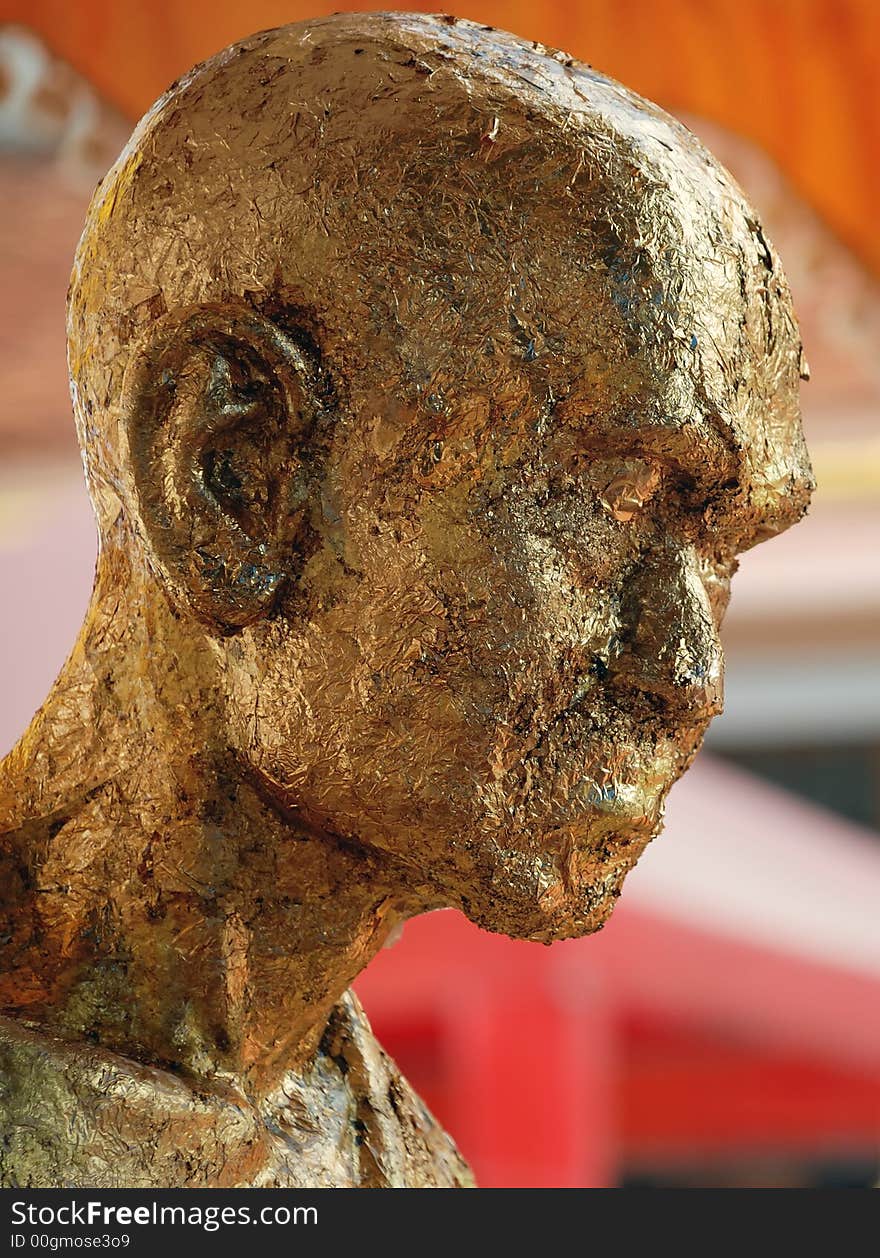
pixel 428 384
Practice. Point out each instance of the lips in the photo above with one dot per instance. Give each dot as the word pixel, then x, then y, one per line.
pixel 597 771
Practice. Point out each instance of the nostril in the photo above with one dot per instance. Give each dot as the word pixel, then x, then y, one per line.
pixel 698 687
pixel 584 684
pixel 673 676
pixel 694 666
pixel 688 672
pixel 598 668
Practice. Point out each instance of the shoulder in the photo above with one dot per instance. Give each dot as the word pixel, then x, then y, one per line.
pixel 74 1115
pixel 401 1143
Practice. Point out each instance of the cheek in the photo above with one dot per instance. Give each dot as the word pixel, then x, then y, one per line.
pixel 365 714
pixel 390 761
pixel 391 708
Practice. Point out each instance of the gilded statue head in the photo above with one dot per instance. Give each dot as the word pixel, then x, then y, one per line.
pixel 435 381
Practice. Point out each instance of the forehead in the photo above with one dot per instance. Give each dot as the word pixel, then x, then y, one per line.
pixel 392 172
pixel 616 291
pixel 463 224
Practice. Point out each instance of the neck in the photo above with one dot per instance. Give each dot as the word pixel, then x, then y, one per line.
pixel 153 899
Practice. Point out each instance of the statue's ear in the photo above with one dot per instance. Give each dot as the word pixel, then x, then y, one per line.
pixel 218 408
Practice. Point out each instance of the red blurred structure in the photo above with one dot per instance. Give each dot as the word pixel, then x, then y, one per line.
pixel 649 1043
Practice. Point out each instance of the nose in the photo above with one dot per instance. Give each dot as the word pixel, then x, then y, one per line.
pixel 671 643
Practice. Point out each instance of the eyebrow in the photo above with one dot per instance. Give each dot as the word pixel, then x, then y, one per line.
pixel 689 445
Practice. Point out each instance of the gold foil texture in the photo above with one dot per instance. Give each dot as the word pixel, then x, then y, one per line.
pixel 428 385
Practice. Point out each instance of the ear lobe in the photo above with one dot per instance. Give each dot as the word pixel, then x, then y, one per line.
pixel 218 408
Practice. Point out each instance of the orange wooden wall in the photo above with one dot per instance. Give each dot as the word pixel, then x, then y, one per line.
pixel 800 77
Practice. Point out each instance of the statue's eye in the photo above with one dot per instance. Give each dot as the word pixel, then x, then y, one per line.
pixel 633 486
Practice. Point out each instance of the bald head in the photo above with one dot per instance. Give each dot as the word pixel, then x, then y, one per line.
pixel 442 201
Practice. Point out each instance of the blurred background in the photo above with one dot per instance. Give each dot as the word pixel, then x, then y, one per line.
pixel 724 1029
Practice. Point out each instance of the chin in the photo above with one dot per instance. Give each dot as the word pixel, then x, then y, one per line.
pixel 526 899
